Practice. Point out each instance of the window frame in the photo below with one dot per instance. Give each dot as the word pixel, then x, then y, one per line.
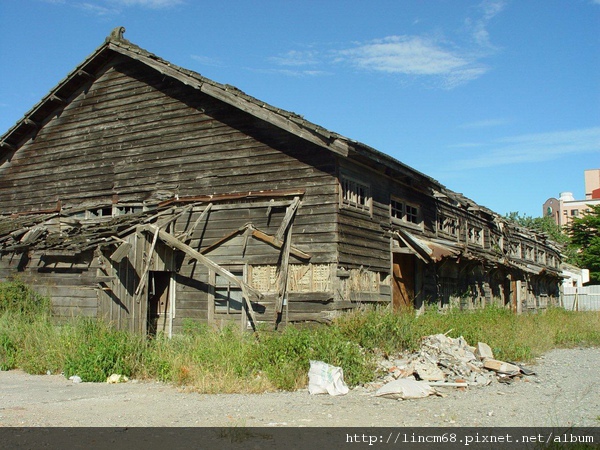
pixel 217 284
pixel 404 212
pixel 448 222
pixel 363 201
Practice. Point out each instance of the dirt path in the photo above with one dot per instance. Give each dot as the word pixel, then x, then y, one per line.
pixel 565 392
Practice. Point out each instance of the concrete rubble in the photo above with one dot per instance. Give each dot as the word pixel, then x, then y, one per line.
pixel 442 362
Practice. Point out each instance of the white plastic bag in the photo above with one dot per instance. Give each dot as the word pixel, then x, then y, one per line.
pixel 324 378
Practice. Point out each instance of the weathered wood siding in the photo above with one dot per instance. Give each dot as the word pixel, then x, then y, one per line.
pixel 70 282
pixel 133 135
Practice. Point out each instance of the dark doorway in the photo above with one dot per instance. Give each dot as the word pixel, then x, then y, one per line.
pixel 158 302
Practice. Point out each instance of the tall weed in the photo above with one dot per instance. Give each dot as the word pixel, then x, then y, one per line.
pixel 227 360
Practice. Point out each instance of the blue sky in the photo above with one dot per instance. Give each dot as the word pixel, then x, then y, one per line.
pixel 496 99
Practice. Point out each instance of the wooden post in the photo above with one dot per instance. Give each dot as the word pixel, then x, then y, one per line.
pixel 282 271
pixel 140 288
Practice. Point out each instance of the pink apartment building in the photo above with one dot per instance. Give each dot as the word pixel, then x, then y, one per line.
pixel 565 208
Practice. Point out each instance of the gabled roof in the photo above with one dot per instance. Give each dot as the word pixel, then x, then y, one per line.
pixel 289 121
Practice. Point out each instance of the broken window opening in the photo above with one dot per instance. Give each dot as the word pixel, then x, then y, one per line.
pixel 356 194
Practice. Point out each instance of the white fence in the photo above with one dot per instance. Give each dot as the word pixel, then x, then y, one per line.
pixel 585 298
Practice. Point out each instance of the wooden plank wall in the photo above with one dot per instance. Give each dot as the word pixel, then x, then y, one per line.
pixel 70 282
pixel 134 133
pixel 193 282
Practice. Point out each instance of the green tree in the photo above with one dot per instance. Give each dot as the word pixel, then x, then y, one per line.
pixel 584 232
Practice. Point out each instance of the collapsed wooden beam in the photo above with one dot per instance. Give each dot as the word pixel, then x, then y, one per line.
pixel 289 214
pixel 184 237
pixel 285 229
pixel 279 244
pixel 140 288
pixel 247 290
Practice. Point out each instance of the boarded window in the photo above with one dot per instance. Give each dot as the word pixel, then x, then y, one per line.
pixel 475 235
pixel 356 194
pixel 448 225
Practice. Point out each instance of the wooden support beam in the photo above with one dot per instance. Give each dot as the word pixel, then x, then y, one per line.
pixel 186 236
pixel 58 99
pixel 279 244
pixel 140 288
pixel 289 215
pixel 4 144
pixel 247 290
pixel 121 251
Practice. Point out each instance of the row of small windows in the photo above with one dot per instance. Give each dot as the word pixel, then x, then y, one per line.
pixel 451 227
pixel 529 253
pixel 357 195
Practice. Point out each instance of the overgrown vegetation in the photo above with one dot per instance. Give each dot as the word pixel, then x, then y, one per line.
pixel 584 233
pixel 227 360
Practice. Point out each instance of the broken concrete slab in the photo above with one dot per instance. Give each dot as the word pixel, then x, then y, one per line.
pixel 404 389
pixel 501 366
pixel 484 351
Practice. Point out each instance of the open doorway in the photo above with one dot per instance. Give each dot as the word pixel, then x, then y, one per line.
pixel 158 320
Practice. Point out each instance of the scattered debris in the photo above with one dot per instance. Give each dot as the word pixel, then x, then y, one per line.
pixel 404 389
pixel 443 362
pixel 324 378
pixel 115 378
pixel 75 379
pixel 484 351
pixel 501 367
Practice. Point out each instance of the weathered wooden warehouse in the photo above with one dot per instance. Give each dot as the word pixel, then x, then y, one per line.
pixel 145 194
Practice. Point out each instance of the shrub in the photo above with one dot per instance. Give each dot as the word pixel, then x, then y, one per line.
pixel 94 351
pixel 18 298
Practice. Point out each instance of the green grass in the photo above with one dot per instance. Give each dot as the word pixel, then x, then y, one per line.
pixel 228 360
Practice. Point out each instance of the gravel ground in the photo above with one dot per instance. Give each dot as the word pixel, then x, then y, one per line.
pixel 565 392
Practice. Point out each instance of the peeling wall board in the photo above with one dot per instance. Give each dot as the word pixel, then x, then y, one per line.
pixel 68 302
pixel 73 292
pixel 312 317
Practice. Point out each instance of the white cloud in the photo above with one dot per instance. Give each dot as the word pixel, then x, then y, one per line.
pixel 153 4
pixel 489 9
pixel 207 60
pixel 296 58
pixel 97 9
pixel 531 148
pixel 414 55
pixel 293 72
